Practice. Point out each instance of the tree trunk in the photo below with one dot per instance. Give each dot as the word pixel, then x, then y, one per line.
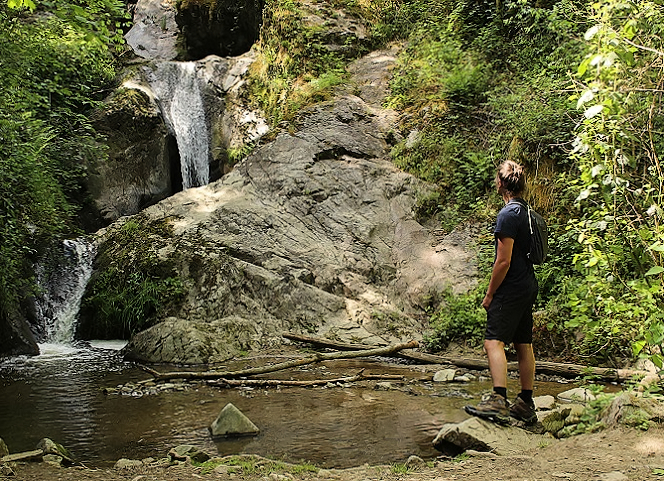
pixel 542 367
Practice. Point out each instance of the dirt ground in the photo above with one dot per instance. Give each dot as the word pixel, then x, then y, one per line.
pixel 613 455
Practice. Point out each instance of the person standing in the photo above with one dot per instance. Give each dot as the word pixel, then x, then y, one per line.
pixel 509 304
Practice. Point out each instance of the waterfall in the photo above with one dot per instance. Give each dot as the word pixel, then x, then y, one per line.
pixel 176 88
pixel 62 280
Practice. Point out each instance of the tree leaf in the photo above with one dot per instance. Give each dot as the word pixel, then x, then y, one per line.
pixel 591 32
pixel 655 271
pixel 592 111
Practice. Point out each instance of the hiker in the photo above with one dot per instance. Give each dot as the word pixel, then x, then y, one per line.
pixel 509 304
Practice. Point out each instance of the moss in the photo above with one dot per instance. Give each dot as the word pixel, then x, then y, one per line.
pixel 131 101
pixel 133 286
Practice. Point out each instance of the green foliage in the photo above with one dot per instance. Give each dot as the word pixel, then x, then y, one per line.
pixel 54 67
pixel 617 295
pixel 133 285
pixel 295 67
pixel 459 318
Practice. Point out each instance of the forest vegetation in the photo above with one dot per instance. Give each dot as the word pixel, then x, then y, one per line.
pixel 572 89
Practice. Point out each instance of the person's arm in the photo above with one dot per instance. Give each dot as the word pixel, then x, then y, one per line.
pixel 500 268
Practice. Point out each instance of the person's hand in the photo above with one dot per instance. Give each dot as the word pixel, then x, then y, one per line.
pixel 487 301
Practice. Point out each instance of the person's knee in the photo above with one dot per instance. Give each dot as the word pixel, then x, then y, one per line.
pixel 524 350
pixel 491 345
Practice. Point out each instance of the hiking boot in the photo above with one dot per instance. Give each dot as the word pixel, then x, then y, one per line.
pixel 523 411
pixel 493 407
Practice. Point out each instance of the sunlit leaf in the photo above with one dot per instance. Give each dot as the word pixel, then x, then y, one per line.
pixel 587 96
pixel 592 111
pixel 653 271
pixel 591 32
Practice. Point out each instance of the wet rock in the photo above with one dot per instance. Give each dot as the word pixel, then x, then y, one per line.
pixel 223 27
pixel 125 463
pixel 50 447
pixel 187 451
pixel 232 422
pixel 481 435
pixel 446 375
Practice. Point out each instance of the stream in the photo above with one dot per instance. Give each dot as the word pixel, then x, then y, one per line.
pixel 60 395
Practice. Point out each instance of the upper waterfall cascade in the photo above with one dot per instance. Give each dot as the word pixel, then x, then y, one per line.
pixel 62 284
pixel 176 87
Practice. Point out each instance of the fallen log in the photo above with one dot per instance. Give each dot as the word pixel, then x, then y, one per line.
pixel 542 367
pixel 317 382
pixel 379 351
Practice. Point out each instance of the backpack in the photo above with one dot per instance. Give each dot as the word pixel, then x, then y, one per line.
pixel 539 236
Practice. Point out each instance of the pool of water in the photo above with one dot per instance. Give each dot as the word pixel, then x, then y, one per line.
pixel 60 395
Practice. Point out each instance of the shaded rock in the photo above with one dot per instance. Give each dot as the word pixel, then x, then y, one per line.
pixel 630 409
pixel 221 27
pixel 154 33
pixel 4 450
pixel 7 470
pixel 53 459
pixel 446 375
pixel 50 447
pixel 142 158
pixel 231 422
pixel 481 435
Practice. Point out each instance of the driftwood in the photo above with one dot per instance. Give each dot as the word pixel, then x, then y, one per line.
pixel 542 367
pixel 317 382
pixel 377 351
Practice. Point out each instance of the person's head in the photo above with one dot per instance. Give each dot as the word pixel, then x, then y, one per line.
pixel 510 179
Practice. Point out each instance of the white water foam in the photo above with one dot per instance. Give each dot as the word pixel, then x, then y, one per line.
pixel 176 88
pixel 62 284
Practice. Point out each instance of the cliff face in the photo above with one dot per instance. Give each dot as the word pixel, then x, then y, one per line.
pixel 313 232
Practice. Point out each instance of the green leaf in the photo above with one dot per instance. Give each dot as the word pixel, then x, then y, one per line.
pixel 593 111
pixel 657 247
pixel 655 271
pixel 591 32
pixel 637 347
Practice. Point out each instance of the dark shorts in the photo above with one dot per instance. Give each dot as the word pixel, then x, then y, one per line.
pixel 510 318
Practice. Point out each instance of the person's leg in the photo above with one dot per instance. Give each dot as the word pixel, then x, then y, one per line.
pixel 523 407
pixel 526 359
pixel 495 351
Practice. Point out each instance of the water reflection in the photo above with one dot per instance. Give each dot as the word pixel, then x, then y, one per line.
pixel 59 395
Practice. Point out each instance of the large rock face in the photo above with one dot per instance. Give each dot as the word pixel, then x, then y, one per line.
pixel 313 232
pixel 145 154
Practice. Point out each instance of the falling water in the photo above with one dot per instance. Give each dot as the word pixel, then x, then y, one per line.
pixel 62 281
pixel 179 96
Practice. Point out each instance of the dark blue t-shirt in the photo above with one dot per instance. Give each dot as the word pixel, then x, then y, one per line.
pixel 513 222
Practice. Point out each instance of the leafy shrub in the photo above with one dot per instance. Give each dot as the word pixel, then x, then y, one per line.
pixel 133 286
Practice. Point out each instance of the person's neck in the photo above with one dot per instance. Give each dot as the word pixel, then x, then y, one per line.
pixel 507 198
